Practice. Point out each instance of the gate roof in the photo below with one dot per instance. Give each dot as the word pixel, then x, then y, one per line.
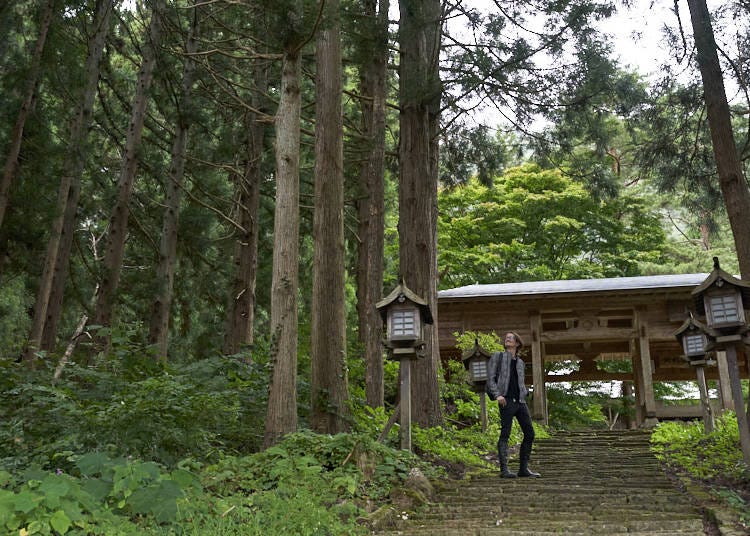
pixel 576 286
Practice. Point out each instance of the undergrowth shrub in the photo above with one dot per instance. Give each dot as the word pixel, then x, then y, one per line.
pixel 684 445
pixel 133 407
pixel 308 484
pixel 101 495
pixel 715 458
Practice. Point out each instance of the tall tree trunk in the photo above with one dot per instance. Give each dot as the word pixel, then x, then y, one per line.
pixel 418 184
pixel 118 224
pixel 734 187
pixel 46 312
pixel 370 203
pixel 281 417
pixel 32 83
pixel 433 33
pixel 241 307
pixel 159 327
pixel 328 375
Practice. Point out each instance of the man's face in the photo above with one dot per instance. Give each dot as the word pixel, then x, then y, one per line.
pixel 510 341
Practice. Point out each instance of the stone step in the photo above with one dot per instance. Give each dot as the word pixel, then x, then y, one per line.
pixel 592 483
pixel 573 527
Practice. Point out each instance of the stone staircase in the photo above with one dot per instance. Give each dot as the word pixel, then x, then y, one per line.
pixel 592 483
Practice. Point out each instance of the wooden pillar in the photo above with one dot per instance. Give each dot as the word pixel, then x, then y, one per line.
pixel 708 416
pixel 637 384
pixel 539 411
pixel 649 402
pixel 483 407
pixel 725 386
pixel 739 404
pixel 627 392
pixel 404 431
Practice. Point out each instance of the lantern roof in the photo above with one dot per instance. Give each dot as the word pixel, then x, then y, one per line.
pixel 717 278
pixel 407 293
pixel 691 322
pixel 477 351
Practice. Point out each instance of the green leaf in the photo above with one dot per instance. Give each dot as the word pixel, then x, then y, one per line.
pixel 7 506
pixel 53 487
pixel 60 522
pixel 97 488
pixel 185 479
pixel 158 499
pixel 93 463
pixel 5 478
pixel 25 502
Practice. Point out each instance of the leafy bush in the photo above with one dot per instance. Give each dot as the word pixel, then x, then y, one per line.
pixel 131 406
pixel 715 458
pixel 307 484
pixel 569 410
pixel 103 496
pixel 704 456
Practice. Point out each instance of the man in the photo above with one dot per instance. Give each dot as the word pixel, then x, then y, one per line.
pixel 505 383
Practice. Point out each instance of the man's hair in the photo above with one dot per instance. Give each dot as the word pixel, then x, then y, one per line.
pixel 518 338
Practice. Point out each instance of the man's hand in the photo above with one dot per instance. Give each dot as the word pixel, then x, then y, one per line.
pixel 501 401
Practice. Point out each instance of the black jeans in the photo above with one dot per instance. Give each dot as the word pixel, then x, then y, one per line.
pixel 521 413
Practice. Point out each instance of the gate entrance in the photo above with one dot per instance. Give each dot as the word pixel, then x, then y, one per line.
pixel 588 321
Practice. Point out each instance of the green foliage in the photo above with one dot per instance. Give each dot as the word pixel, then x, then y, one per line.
pixel 570 409
pixel 132 406
pixel 537 224
pixel 492 342
pixel 100 497
pixel 14 321
pixel 308 483
pixel 703 456
pixel 715 458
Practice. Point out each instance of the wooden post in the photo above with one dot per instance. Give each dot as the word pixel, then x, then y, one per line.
pixel 483 406
pixel 725 385
pixel 637 384
pixel 648 377
pixel 708 416
pixel 739 404
pixel 405 428
pixel 537 368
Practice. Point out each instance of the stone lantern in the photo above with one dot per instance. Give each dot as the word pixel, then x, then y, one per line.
pixel 476 361
pixel 721 297
pixel 404 316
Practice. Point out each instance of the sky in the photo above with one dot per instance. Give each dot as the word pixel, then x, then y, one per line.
pixel 637 36
pixel 637 33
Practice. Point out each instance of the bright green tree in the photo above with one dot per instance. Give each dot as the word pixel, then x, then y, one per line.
pixel 537 224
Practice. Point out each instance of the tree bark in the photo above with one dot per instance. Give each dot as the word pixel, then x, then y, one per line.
pixel 32 83
pixel 241 307
pixel 328 374
pixel 371 204
pixel 162 305
pixel 734 187
pixel 47 311
pixel 419 37
pixel 281 417
pixel 118 225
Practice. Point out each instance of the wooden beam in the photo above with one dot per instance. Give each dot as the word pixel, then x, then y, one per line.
pixel 644 352
pixel 596 333
pixel 537 363
pixel 663 375
pixel 725 386
pixel 593 376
